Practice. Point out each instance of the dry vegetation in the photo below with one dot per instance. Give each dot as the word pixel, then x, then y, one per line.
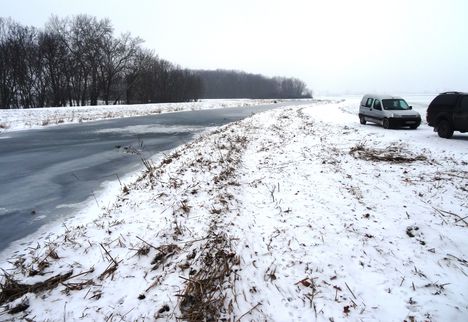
pixel 207 260
pixel 393 153
pixel 202 253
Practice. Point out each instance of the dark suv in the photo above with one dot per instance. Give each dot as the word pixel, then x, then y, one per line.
pixel 448 112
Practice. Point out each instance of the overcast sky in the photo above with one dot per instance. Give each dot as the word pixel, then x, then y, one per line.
pixel 335 46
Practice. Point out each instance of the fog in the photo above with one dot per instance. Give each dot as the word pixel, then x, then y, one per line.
pixel 334 46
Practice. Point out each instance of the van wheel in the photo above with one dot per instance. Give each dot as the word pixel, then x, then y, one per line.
pixel 414 127
pixel 444 129
pixel 362 120
pixel 386 123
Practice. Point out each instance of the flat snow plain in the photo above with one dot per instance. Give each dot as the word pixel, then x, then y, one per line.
pixel 295 214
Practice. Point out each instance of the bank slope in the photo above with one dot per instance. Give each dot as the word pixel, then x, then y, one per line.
pixel 295 214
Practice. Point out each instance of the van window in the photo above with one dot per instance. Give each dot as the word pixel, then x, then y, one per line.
pixel 377 104
pixel 369 102
pixel 395 104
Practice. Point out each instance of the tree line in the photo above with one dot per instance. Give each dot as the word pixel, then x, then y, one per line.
pixel 80 61
pixel 238 84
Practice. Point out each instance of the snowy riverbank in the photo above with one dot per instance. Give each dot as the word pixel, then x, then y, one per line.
pixel 296 214
pixel 23 119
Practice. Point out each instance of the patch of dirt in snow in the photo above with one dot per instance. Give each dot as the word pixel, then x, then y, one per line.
pixel 290 215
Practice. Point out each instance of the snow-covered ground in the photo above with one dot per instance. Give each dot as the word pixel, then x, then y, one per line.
pixel 22 119
pixel 296 214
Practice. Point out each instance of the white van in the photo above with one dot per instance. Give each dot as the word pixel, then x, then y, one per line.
pixel 389 111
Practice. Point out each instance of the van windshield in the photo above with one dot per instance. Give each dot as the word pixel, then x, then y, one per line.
pixel 395 104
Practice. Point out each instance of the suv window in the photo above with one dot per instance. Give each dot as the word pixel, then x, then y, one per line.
pixel 464 103
pixel 377 104
pixel 445 100
pixel 369 102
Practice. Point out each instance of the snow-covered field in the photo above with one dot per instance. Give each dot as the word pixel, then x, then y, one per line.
pixel 296 214
pixel 23 119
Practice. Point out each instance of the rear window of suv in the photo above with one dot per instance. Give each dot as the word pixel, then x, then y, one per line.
pixel 464 103
pixel 445 100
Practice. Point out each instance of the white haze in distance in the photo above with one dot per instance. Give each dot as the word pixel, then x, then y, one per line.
pixel 347 46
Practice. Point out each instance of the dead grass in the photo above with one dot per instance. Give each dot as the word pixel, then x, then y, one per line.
pixel 212 277
pixel 12 289
pixel 164 253
pixel 204 296
pixel 392 154
pixel 210 267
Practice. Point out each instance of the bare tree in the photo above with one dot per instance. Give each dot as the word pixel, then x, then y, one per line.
pixel 20 65
pixel 118 57
pixel 79 61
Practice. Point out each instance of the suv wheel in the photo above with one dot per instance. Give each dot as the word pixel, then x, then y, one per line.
pixel 445 129
pixel 386 123
pixel 362 119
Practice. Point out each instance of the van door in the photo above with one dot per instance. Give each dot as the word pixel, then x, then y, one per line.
pixel 377 112
pixel 460 114
pixel 366 106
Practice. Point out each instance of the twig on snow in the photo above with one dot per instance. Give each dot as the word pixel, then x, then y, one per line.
pixel 108 254
pixel 350 290
pixel 461 219
pixel 249 311
pixel 442 212
pixel 402 280
pixel 147 243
